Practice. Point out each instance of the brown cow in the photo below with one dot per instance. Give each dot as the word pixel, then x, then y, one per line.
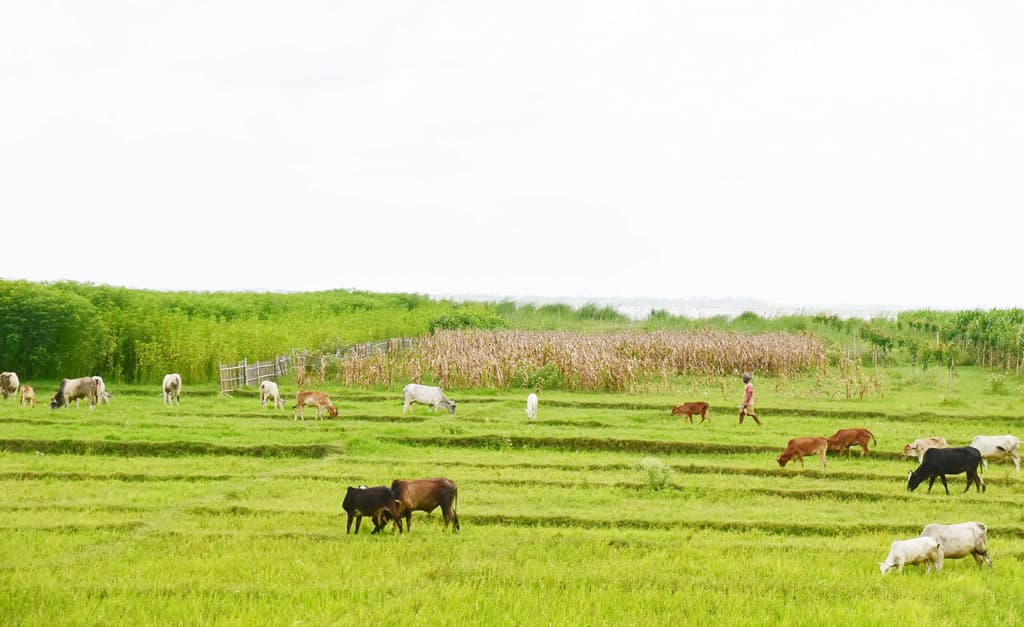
pixel 689 409
pixel 801 447
pixel 845 438
pixel 28 396
pixel 425 495
pixel 313 399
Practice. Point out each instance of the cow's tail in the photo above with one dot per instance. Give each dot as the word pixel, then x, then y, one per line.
pixel 455 509
pixel 873 438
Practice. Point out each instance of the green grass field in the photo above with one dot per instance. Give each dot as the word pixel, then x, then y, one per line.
pixel 216 511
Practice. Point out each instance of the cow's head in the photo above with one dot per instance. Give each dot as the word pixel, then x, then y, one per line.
pixel 332 410
pixel 913 480
pixel 450 406
pixel 782 459
pixel 907 450
pixel 56 402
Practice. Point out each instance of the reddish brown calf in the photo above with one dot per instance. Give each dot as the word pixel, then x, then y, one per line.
pixel 799 448
pixel 689 409
pixel 845 438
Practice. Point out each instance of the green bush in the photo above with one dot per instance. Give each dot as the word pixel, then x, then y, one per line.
pixel 465 320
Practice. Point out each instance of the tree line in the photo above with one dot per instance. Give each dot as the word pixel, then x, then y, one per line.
pixel 69 329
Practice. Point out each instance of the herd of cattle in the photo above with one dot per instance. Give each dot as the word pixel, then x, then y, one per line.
pixel 385 504
pixel 936 459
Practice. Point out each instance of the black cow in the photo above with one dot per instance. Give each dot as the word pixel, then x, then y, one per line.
pixel 363 501
pixel 939 462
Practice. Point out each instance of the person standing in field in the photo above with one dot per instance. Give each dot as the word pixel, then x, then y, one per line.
pixel 747 408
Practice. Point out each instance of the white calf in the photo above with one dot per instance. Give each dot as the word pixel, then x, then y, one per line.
pixel 102 396
pixel 970 538
pixel 531 406
pixel 268 390
pixel 172 388
pixel 920 445
pixel 923 550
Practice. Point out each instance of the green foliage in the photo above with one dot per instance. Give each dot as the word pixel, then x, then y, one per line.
pixel 657 473
pixel 997 382
pixel 54 330
pixel 465 320
pixel 547 377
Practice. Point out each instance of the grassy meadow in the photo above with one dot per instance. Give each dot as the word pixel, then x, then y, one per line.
pixel 606 510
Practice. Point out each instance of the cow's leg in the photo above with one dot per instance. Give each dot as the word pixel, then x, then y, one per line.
pixel 864 452
pixel 801 458
pixel 1016 460
pixel 931 482
pixel 944 484
pixel 822 456
pixel 359 519
pixel 348 525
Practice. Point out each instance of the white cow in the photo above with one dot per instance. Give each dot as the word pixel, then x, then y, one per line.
pixel 531 406
pixel 969 538
pixel 102 395
pixel 921 550
pixel 426 395
pixel 997 446
pixel 268 390
pixel 9 384
pixel 172 388
pixel 920 445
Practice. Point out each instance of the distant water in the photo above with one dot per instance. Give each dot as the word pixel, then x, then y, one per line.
pixel 640 308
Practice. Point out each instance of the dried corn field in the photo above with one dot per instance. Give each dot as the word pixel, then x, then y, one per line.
pixel 579 361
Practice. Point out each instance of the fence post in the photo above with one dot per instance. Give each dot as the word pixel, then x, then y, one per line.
pixel 245 367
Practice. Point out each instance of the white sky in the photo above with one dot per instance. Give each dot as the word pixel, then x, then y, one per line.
pixel 796 152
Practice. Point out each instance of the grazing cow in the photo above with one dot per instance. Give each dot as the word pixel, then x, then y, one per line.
pixel 531 406
pixel 689 409
pixel 801 447
pixel 939 462
pixel 425 495
pixel 73 390
pixel 28 396
pixel 993 446
pixel 268 390
pixel 426 395
pixel 969 538
pixel 920 445
pixel 927 551
pixel 8 384
pixel 314 399
pixel 172 388
pixel 102 396
pixel 845 438
pixel 363 501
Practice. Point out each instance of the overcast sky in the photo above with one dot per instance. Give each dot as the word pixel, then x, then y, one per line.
pixel 794 152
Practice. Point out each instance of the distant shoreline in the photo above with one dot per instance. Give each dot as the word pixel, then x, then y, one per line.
pixel 640 308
